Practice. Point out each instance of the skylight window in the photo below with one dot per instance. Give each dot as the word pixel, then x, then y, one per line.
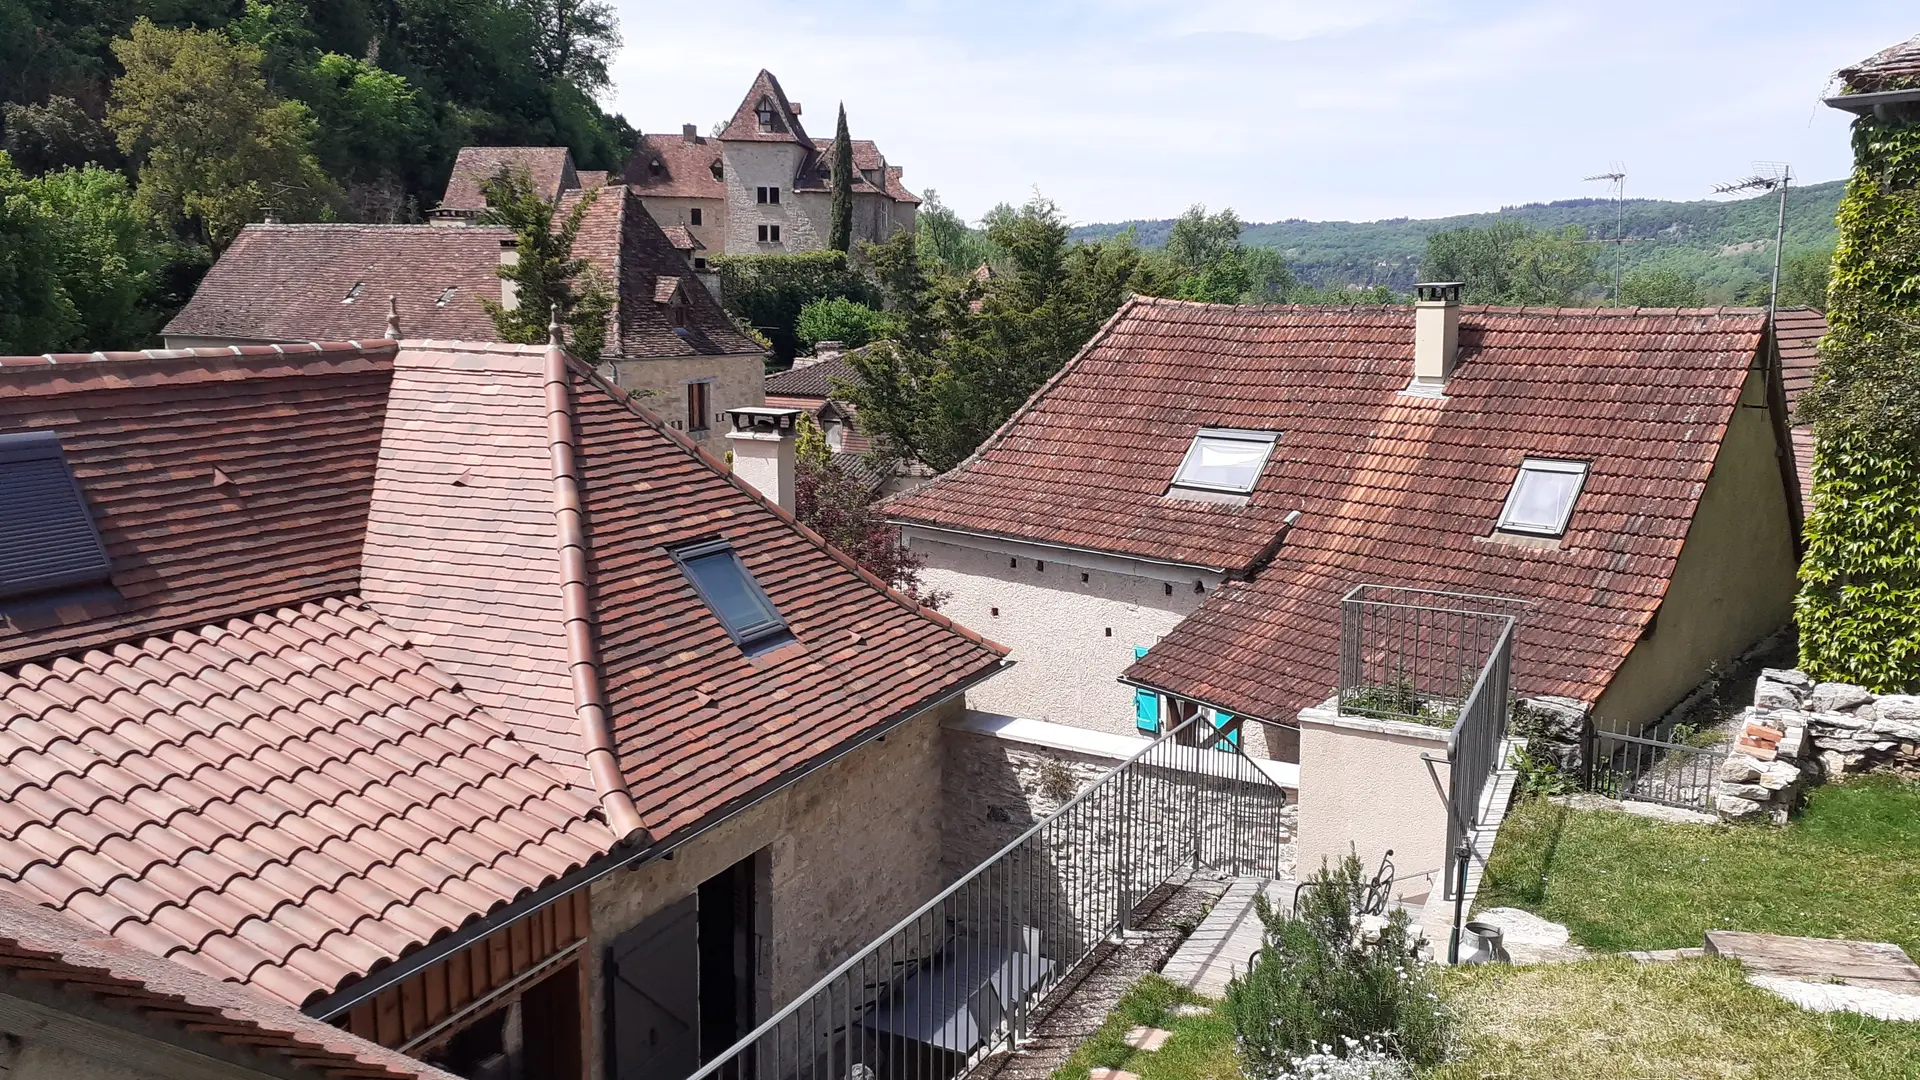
pixel 445 296
pixel 717 574
pixel 48 539
pixel 1543 496
pixel 1225 459
pixel 353 293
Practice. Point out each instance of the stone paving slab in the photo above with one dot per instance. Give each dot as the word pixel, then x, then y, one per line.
pixel 1148 1039
pixel 1111 1074
pixel 1873 964
pixel 1220 947
pixel 1838 997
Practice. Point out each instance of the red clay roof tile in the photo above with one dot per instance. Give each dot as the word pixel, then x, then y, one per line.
pixel 668 166
pixel 548 168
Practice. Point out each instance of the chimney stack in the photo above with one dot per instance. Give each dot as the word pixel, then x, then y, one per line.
pixel 795 106
pixel 509 292
pixel 1436 336
pixel 689 134
pixel 764 451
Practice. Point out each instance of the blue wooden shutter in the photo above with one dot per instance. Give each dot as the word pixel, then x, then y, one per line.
pixel 1146 703
pixel 1221 720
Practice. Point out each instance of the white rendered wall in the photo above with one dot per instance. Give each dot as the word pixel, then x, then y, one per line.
pixel 1066 664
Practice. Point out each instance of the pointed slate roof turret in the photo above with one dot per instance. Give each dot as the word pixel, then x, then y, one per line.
pixel 785 119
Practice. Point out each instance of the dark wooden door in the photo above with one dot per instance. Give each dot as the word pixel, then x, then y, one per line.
pixel 653 988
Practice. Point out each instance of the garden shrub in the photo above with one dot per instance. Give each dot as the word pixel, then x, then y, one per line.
pixel 1324 985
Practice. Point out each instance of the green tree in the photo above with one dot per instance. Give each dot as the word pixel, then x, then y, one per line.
pixel 832 501
pixel 213 147
pixel 840 213
pixel 848 322
pixel 56 135
pixel 768 292
pixel 546 273
pixel 108 254
pixel 1198 239
pixel 573 40
pixel 36 314
pixel 371 129
pixel 1660 286
pixel 1803 277
pixel 1859 605
pixel 948 245
pixel 1512 263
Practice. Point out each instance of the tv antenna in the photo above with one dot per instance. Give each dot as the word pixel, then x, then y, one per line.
pixel 1616 178
pixel 1767 176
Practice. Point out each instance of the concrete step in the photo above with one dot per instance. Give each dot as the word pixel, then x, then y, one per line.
pixel 1225 941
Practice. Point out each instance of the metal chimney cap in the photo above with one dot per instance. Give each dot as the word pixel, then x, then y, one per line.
pixel 1438 291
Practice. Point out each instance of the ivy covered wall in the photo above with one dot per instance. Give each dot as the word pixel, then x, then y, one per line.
pixel 1859 605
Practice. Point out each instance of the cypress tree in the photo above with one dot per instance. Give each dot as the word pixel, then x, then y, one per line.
pixel 841 236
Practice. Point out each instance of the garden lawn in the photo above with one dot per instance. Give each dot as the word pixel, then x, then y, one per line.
pixel 1848 867
pixel 1613 1019
pixel 1201 1047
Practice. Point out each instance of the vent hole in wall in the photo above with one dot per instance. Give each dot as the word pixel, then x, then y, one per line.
pixel 1169 588
pixel 1083 579
pixel 995 611
pixel 1109 631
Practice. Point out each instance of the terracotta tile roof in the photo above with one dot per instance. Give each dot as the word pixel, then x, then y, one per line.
pixel 1893 68
pixel 223 481
pixel 682 238
pixel 1393 489
pixel 819 380
pixel 289 283
pixel 1800 331
pixel 549 168
pixel 591 179
pixel 745 125
pixel 1802 438
pixel 897 189
pixel 289 800
pixel 664 289
pixel 685 169
pixel 52 949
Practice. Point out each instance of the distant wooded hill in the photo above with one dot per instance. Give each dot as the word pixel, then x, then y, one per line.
pixel 1726 245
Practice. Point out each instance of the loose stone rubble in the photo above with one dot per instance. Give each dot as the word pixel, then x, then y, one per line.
pixel 1799 731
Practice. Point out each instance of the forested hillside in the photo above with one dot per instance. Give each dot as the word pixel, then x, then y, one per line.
pixel 1724 245
pixel 139 137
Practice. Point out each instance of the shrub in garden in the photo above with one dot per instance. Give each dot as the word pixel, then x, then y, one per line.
pixel 1327 985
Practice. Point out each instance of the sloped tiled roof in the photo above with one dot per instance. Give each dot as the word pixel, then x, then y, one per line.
pixel 54 950
pixel 590 179
pixel 1393 489
pixel 898 189
pixel 548 168
pixel 223 481
pixel 819 380
pixel 682 238
pixel 745 125
pixel 289 800
pixel 685 169
pixel 289 283
pixel 1800 331
pixel 1892 68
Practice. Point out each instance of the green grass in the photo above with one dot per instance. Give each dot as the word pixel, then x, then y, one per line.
pixel 1613 1019
pixel 1848 867
pixel 1201 1047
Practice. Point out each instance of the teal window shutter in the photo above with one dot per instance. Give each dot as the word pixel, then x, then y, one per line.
pixel 1222 720
pixel 1146 703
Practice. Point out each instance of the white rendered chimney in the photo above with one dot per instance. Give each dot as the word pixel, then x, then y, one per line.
pixel 764 444
pixel 509 292
pixel 1436 335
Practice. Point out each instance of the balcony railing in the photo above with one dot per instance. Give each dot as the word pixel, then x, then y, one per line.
pixel 1417 654
pixel 959 978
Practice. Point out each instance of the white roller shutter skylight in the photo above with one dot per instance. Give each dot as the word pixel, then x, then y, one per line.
pixel 1225 459
pixel 1543 496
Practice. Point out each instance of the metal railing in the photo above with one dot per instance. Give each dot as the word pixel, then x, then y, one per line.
pixel 959 978
pixel 1652 770
pixel 1475 746
pixel 1416 654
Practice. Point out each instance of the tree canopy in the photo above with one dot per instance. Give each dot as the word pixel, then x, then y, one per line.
pixel 546 275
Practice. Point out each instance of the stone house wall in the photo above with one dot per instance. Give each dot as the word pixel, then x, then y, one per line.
pixel 753 165
pixel 852 849
pixel 738 381
pixel 1071 638
pixel 676 210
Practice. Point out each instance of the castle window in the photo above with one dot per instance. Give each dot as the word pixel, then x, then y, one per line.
pixel 769 234
pixel 765 113
pixel 767 195
pixel 693 216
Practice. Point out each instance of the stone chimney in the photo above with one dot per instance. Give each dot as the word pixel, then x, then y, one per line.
pixel 764 445
pixel 509 292
pixel 1436 336
pixel 689 134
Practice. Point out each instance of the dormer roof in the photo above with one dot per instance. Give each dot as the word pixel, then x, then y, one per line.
pixel 765 95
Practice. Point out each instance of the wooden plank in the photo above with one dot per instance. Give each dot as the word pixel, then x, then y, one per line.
pixel 361 1021
pixel 459 979
pixel 413 1006
pixel 499 962
pixel 520 941
pixel 387 1018
pixel 563 921
pixel 1857 963
pixel 434 981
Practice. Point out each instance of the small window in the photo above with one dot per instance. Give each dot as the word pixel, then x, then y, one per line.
pixel 1543 496
pixel 717 574
pixel 1225 459
pixel 48 539
pixel 769 234
pixel 718 170
pixel 654 166
pixel 765 115
pixel 677 314
pixel 699 262
pixel 767 195
pixel 445 295
pixel 699 396
pixel 353 293
pixel 693 216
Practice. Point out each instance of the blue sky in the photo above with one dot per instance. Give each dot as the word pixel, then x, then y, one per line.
pixel 1349 109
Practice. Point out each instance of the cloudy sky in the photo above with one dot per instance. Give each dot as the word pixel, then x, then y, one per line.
pixel 1320 109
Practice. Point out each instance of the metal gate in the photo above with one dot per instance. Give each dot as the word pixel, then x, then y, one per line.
pixel 1652 770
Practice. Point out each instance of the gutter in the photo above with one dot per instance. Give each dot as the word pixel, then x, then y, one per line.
pixel 912 524
pixel 1870 103
pixel 615 860
pixel 583 653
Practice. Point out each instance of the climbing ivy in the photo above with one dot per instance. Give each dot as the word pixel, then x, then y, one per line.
pixel 1859 604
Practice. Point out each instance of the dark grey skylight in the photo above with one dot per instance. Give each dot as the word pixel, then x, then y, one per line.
pixel 47 537
pixel 717 574
pixel 1543 496
pixel 1225 459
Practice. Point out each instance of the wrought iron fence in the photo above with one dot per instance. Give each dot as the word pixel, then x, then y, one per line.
pixel 1652 770
pixel 1416 654
pixel 1475 746
pixel 959 978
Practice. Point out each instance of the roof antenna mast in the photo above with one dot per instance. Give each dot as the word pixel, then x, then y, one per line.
pixel 1774 176
pixel 1616 178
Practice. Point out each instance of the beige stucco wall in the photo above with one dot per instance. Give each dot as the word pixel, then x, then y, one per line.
pixel 712 230
pixel 1066 667
pixel 1733 583
pixel 1364 788
pixel 739 381
pixel 854 847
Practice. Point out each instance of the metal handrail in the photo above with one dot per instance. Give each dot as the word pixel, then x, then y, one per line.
pixel 959 977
